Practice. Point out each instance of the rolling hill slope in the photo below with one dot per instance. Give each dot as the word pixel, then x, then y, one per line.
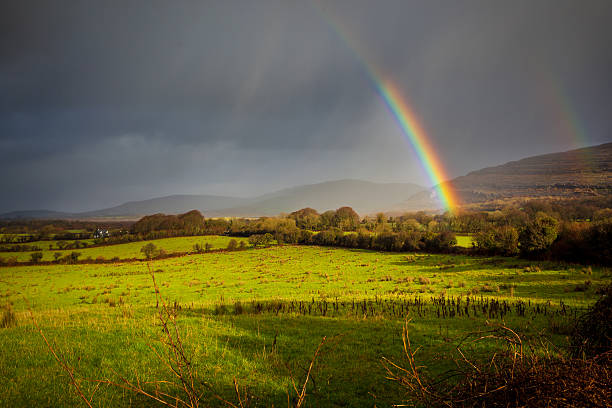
pixel 364 196
pixel 174 204
pixel 576 173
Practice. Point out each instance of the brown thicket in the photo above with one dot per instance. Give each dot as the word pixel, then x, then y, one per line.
pixel 521 373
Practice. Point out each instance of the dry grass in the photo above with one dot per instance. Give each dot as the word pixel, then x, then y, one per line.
pixel 8 317
pixel 516 376
pixel 593 333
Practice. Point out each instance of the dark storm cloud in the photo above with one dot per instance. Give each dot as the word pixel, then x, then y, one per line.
pixel 103 102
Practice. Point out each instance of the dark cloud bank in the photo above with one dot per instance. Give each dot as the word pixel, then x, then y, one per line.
pixel 104 102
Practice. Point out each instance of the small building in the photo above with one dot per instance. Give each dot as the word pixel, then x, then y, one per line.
pixel 101 233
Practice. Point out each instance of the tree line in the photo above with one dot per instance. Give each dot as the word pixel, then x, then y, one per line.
pixel 566 230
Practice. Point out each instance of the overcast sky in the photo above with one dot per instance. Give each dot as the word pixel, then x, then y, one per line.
pixel 103 102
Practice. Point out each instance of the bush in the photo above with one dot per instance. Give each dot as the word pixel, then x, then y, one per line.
pixel 349 241
pixel 364 240
pixel 287 235
pixel 150 251
pixel 388 241
pixel 36 257
pixel 8 318
pixel 305 237
pixel 513 375
pixel 71 258
pixel 441 242
pixel 424 281
pixel 539 234
pixel 593 332
pixel 330 237
pixel 232 245
pixel 261 239
pixel 498 240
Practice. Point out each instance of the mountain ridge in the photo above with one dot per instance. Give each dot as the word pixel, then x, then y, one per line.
pixel 322 196
pixel 583 172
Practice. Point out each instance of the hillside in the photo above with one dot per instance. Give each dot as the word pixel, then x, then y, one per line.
pixel 576 173
pixel 174 204
pixel 364 196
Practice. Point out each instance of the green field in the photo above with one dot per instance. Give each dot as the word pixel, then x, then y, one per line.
pixel 53 243
pixel 243 315
pixel 465 240
pixel 129 250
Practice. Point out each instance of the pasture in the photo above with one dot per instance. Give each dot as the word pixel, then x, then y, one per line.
pixel 256 317
pixel 125 251
pixel 465 240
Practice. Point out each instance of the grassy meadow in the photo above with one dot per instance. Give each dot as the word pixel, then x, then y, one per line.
pixel 464 240
pixel 125 251
pixel 257 316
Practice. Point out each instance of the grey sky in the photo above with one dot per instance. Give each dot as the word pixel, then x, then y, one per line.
pixel 105 102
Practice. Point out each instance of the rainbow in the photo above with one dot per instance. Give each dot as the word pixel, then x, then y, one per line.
pixel 406 118
pixel 564 115
pixel 416 135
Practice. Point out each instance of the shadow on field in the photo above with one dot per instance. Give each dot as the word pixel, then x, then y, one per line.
pixel 347 371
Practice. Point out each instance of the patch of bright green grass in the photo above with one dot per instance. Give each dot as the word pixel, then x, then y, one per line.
pixel 464 240
pixel 129 250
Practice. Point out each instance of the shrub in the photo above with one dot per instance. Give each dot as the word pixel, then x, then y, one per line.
pixel 424 281
pixel 538 234
pixel 328 237
pixel 593 331
pixel 489 288
pixel 261 239
pixel 238 308
pixel 71 258
pixel 512 375
pixel 441 242
pixel 8 318
pixel 36 257
pixel 232 245
pixel 498 240
pixel 305 237
pixel 150 251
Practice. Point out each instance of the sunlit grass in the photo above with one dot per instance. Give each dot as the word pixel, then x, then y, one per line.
pixel 103 317
pixel 128 250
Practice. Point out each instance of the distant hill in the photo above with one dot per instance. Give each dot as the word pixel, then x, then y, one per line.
pixel 174 204
pixel 576 173
pixel 364 196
